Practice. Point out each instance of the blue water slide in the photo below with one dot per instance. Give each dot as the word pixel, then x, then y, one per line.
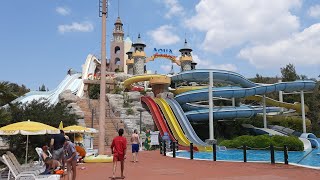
pixel 227 113
pixel 202 94
pixel 184 123
pixel 202 75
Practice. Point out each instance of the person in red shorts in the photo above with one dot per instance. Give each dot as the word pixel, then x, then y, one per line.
pixel 119 149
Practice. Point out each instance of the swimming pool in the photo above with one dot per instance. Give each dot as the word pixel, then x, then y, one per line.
pixel 310 158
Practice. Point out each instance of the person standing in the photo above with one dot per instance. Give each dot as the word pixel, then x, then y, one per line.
pixel 119 150
pixel 56 145
pixel 70 158
pixel 135 140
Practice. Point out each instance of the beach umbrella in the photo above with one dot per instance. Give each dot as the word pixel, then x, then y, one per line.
pixel 76 129
pixel 28 128
pixel 61 125
pixel 79 129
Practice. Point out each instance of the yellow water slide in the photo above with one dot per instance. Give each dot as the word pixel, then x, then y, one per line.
pixel 174 124
pixel 186 89
pixel 276 103
pixel 139 78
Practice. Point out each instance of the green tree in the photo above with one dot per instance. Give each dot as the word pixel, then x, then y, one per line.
pixel 39 111
pixel 289 73
pixel 10 91
pixel 94 91
pixel 42 88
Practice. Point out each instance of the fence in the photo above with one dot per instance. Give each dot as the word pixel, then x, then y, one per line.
pixel 271 149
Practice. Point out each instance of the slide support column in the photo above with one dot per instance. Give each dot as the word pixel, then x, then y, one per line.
pixel 233 102
pixel 303 113
pixel 281 96
pixel 211 129
pixel 264 112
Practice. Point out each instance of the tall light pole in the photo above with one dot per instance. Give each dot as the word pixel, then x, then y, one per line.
pixel 102 107
pixel 140 110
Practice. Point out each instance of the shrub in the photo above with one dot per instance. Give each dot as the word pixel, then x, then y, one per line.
pixel 117 90
pixel 94 91
pixel 264 141
pixel 130 111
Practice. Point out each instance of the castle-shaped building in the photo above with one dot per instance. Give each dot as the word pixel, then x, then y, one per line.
pixel 130 58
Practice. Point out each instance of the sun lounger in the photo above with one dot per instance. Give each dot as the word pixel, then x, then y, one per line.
pixel 18 174
pixel 36 169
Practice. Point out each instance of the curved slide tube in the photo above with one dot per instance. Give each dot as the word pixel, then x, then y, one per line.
pixel 273 102
pixel 202 94
pixel 157 116
pixel 226 113
pixel 202 75
pixel 186 126
pixel 127 83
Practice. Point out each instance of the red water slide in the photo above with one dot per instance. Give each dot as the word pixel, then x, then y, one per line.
pixel 157 116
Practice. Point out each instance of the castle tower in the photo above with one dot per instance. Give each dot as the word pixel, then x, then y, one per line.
pixel 186 57
pixel 117 55
pixel 139 56
pixel 130 61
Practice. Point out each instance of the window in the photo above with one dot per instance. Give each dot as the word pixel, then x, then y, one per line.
pixel 117 50
pixel 117 61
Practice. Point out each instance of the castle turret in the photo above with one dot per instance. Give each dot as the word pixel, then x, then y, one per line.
pixel 139 56
pixel 117 50
pixel 186 57
pixel 130 61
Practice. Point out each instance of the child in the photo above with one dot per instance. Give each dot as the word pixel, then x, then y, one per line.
pixel 52 164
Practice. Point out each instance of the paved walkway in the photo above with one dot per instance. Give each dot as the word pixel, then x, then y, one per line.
pixel 153 166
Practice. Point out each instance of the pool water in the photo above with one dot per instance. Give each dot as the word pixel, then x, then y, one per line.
pixel 310 158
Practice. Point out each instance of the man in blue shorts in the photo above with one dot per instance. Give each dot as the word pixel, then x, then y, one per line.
pixel 135 140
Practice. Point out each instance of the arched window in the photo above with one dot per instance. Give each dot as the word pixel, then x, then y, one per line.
pixel 117 50
pixel 117 61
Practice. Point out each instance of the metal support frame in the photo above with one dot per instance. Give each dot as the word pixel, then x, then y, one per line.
pixel 211 129
pixel 303 113
pixel 264 111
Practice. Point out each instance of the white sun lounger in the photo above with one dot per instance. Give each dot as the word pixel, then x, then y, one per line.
pixel 17 174
pixel 34 169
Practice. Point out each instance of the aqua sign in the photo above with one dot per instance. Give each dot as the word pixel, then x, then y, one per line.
pixel 162 51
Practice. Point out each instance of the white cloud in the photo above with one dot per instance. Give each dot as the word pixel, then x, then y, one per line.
pixel 207 64
pixel 164 35
pixel 314 11
pixel 174 8
pixel 233 23
pixel 301 49
pixel 64 11
pixel 76 27
pixel 165 68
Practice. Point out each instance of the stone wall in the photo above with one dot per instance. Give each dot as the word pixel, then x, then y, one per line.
pixel 116 102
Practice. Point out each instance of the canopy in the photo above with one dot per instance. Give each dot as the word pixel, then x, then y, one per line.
pixel 28 128
pixel 76 129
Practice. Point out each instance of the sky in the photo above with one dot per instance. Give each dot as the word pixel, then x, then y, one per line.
pixel 41 39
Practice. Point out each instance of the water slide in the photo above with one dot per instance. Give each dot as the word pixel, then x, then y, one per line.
pixel 272 102
pixel 202 94
pixel 69 83
pixel 157 116
pixel 186 126
pixel 138 78
pixel 173 124
pixel 73 82
pixel 88 68
pixel 227 113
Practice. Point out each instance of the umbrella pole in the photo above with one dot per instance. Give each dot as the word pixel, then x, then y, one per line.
pixel 27 149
